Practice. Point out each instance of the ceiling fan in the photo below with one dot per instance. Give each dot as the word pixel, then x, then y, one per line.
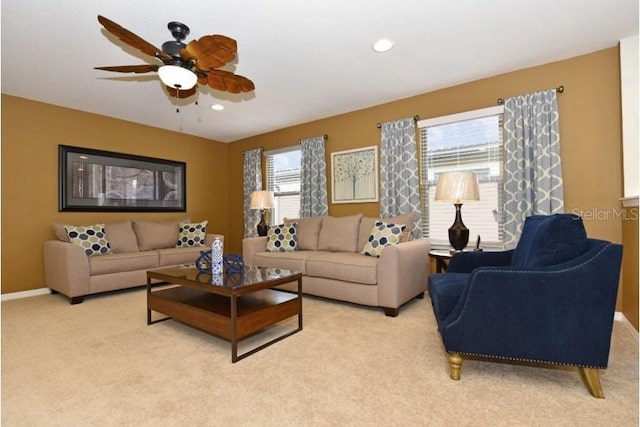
pixel 184 65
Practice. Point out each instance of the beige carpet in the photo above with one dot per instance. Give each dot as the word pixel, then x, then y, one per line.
pixel 99 364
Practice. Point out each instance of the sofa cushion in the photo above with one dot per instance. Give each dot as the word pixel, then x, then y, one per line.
pixel 409 219
pixel 382 234
pixel 156 235
pixel 367 223
pixel 348 267
pixel 191 234
pixel 60 232
pixel 91 238
pixel 287 260
pixel 176 256
pixel 339 234
pixel 549 240
pixel 118 263
pixel 121 237
pixel 308 231
pixel 282 238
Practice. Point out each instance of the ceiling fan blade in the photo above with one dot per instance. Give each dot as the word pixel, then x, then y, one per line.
pixel 181 93
pixel 131 39
pixel 228 82
pixel 146 68
pixel 210 52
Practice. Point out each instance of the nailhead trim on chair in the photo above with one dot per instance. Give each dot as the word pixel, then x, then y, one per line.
pixel 523 360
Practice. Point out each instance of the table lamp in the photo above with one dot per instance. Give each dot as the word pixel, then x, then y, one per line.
pixel 458 187
pixel 262 200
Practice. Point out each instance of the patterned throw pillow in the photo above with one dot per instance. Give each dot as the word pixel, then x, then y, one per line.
pixel 191 234
pixel 382 234
pixel 91 238
pixel 282 238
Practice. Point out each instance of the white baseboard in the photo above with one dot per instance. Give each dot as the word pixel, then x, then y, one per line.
pixel 619 317
pixel 26 294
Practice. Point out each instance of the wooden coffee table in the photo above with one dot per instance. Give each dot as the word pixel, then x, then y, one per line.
pixel 232 307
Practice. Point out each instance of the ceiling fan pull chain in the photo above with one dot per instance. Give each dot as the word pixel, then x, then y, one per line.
pixel 177 100
pixel 197 95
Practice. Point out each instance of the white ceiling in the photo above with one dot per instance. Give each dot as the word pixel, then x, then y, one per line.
pixel 308 59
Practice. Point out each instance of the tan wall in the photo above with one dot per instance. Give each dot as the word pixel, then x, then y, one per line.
pixel 31 132
pixel 590 134
pixel 630 265
pixel 590 128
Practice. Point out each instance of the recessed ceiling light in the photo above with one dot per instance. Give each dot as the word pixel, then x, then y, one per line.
pixel 217 107
pixel 383 45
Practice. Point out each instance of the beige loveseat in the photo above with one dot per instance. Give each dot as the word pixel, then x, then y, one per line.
pixel 136 246
pixel 328 255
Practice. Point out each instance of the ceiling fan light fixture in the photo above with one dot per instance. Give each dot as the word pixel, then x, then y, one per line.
pixel 179 73
pixel 177 77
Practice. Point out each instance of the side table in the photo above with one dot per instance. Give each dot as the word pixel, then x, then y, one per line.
pixel 442 259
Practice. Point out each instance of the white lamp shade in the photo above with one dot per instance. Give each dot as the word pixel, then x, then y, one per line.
pixel 262 200
pixel 457 187
pixel 177 77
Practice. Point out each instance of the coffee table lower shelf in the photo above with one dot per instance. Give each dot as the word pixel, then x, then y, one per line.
pixel 231 318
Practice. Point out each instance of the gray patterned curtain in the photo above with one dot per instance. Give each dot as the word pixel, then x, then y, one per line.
pixel 399 183
pixel 533 173
pixel 252 181
pixel 313 179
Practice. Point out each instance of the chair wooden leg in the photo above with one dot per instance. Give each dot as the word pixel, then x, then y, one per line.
pixel 591 379
pixel 455 363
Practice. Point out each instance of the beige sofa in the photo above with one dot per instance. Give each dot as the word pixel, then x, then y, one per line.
pixel 136 246
pixel 328 255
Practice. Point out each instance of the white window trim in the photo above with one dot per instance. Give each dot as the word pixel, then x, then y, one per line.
pixel 280 150
pixel 459 117
pixel 270 153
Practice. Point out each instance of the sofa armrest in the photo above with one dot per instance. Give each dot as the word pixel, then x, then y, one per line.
pixel 66 268
pixel 251 246
pixel 403 270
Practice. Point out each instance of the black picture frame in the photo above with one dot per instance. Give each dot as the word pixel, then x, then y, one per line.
pixel 104 181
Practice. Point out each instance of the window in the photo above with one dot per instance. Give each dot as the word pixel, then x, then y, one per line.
pixel 283 178
pixel 468 142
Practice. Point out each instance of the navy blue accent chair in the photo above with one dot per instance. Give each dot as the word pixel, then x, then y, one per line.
pixel 550 300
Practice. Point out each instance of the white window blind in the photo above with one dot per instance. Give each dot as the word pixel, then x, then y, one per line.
pixel 283 178
pixel 470 142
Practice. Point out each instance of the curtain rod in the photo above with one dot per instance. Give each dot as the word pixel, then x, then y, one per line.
pixel 559 89
pixel 257 148
pixel 415 119
pixel 325 137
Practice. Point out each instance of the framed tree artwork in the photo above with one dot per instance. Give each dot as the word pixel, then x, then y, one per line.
pixel 354 175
